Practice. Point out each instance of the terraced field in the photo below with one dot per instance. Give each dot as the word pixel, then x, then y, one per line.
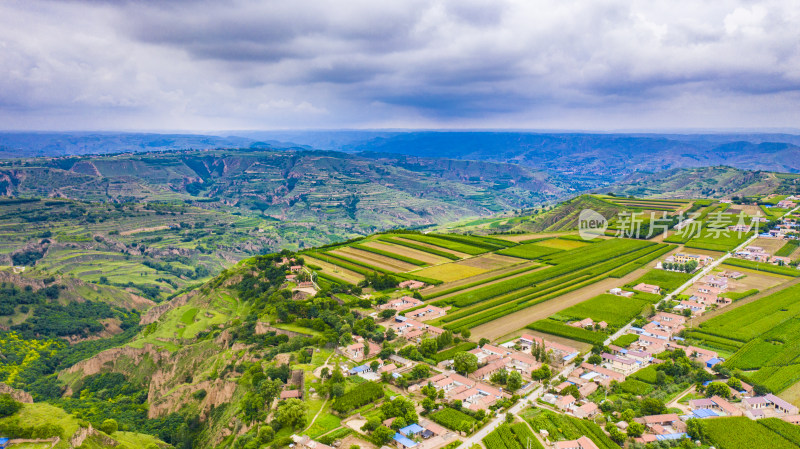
pixel 482 280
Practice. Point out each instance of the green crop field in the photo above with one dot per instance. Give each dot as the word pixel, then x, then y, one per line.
pixel 445 243
pixel 751 320
pixel 614 310
pixel 788 248
pixel 563 427
pixel 742 433
pixel 762 266
pixel 667 280
pixel 398 241
pixel 452 418
pixel 481 305
pixel 770 327
pixel 573 333
pixel 529 251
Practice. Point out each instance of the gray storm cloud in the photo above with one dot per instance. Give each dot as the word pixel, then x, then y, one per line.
pixel 207 65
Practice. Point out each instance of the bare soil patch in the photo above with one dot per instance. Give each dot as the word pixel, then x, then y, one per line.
pixel 490 261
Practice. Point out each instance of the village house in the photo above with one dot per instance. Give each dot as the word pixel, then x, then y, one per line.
pixel 786 204
pixel 620 364
pixel 411 284
pixel 291 394
pixel 565 402
pixel 561 353
pixel 654 329
pixel 356 351
pixel 587 389
pixel 767 406
pixel 400 304
pixel 600 375
pixel 587 410
pixel 295 268
pixel 664 425
pixel 581 443
pixel 720 406
pixel 473 395
pixel 485 372
pixel 647 288
pixel 696 308
pixel 683 258
pixel 426 313
pixel 718 282
pixel 732 274
pixel 412 330
pixel 588 322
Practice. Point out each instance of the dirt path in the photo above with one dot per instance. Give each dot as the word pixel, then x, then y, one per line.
pixel 694 322
pixel 508 324
pixel 324 403
pixel 675 404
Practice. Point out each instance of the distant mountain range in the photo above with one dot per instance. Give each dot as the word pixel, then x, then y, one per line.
pixel 590 158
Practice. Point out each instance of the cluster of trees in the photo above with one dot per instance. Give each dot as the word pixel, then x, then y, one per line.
pixel 28 257
pixel 379 281
pixel 12 296
pixel 687 267
pixel 512 380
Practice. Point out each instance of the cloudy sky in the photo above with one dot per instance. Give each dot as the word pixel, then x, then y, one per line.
pixel 583 64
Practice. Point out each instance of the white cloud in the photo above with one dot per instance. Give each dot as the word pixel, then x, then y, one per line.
pixel 202 64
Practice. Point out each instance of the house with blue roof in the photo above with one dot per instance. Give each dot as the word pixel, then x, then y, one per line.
pixel 411 429
pixel 404 442
pixel 4 443
pixel 360 369
pixel 713 361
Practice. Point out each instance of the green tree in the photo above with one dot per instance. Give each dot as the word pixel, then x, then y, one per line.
pixel 109 426
pixel 735 383
pixel 428 347
pixel 465 363
pixel 571 390
pixel 292 413
pixel 428 404
pixel 500 377
pixel 8 406
pixel 382 435
pixel 653 406
pixel 718 389
pixel 595 359
pixel 483 341
pixel 514 381
pixel 635 429
pixel 466 334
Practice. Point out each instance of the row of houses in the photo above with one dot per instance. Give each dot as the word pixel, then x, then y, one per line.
pixel 767 406
pixel 473 394
pixel 496 358
pixel 758 254
pixel 660 428
pixel 657 336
